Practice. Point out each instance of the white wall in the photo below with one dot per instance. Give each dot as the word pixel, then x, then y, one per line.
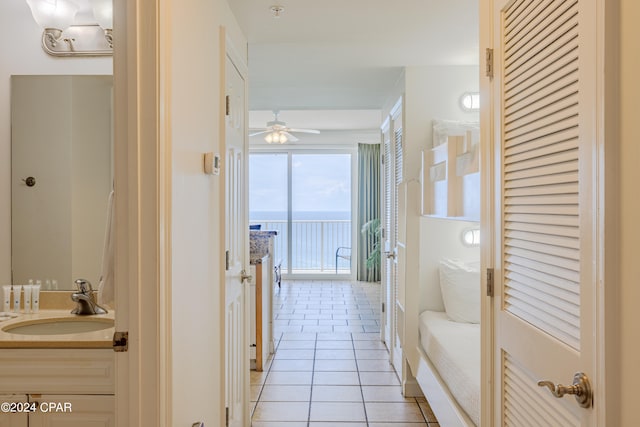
pixel 21 53
pixel 433 92
pixel 194 108
pixel 440 238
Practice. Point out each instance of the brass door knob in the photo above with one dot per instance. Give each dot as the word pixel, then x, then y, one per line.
pixel 581 389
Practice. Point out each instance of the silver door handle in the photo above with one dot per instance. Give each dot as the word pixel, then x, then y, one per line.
pixel 581 389
pixel 244 276
pixel 390 255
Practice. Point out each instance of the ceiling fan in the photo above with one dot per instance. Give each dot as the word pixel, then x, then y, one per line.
pixel 278 131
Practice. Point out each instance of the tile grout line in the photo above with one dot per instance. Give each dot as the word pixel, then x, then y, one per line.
pixel 355 358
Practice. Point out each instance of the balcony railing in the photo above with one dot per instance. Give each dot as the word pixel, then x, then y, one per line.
pixel 313 245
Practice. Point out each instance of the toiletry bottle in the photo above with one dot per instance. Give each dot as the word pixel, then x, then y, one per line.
pixel 47 285
pixel 17 296
pixel 27 297
pixel 54 285
pixel 6 294
pixel 35 297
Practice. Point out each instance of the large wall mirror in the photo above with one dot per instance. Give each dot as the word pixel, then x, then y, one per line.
pixel 62 176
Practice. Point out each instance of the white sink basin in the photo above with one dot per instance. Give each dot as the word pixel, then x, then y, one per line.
pixel 61 326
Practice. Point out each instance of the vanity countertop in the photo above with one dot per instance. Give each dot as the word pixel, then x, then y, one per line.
pixel 96 339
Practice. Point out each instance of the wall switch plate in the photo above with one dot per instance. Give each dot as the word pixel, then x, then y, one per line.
pixel 212 163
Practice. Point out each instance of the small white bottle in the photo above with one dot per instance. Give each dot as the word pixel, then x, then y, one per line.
pixel 47 285
pixel 35 298
pixel 17 296
pixel 27 296
pixel 54 285
pixel 6 293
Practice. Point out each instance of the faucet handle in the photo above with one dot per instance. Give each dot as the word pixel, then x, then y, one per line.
pixel 84 286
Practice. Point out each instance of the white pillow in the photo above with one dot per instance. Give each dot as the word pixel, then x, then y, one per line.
pixel 460 286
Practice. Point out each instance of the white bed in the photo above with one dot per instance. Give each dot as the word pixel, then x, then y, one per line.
pixel 449 373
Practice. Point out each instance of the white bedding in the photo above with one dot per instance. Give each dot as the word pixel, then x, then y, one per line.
pixel 454 349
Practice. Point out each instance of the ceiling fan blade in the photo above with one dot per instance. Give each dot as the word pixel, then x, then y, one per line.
pixel 259 133
pixel 304 130
pixel 290 137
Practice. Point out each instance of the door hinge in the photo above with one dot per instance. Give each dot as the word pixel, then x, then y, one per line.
pixel 489 62
pixel 227 107
pixel 382 158
pixel 226 417
pixel 383 307
pixel 226 260
pixel 490 282
pixel 120 341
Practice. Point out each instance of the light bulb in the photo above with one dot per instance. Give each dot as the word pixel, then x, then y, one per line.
pixel 103 13
pixel 55 14
pixel 269 138
pixel 282 138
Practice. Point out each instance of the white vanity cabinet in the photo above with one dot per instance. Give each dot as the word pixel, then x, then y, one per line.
pixel 71 387
pixel 8 419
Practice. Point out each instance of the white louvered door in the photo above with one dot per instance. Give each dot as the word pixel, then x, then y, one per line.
pixel 544 129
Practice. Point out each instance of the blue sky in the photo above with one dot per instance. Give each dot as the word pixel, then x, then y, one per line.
pixel 321 182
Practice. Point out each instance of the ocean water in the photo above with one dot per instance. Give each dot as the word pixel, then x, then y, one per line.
pixel 316 236
pixel 299 215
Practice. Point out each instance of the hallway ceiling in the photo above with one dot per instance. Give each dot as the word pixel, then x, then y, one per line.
pixel 337 54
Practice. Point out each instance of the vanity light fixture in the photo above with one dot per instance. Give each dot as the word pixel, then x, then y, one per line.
pixel 61 36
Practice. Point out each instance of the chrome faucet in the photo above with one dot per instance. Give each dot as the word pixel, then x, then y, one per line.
pixel 86 299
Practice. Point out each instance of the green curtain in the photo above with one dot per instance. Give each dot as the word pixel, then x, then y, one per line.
pixel 368 208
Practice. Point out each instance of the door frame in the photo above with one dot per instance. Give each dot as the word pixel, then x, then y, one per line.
pixel 142 157
pixel 606 377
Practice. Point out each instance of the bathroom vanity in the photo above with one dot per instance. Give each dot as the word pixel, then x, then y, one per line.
pixel 54 372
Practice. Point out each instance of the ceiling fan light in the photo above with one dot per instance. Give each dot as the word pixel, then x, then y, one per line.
pixel 282 138
pixel 269 138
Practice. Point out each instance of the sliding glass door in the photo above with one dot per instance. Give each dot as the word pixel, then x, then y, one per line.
pixel 307 198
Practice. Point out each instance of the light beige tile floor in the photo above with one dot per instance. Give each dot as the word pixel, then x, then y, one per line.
pixel 330 368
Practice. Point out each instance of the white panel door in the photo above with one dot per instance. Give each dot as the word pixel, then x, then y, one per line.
pixel 544 134
pixel 237 247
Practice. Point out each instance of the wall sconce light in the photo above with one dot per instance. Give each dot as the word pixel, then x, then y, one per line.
pixel 471 237
pixel 61 37
pixel 470 101
pixel 276 136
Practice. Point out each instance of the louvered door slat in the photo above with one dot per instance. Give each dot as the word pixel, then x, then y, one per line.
pixel 515 12
pixel 548 249
pixel 544 259
pixel 553 20
pixel 559 56
pixel 543 170
pixel 530 403
pixel 548 239
pixel 555 291
pixel 553 127
pixel 517 28
pixel 563 220
pixel 564 97
pixel 554 144
pixel 545 209
pixel 540 85
pixel 561 318
pixel 544 279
